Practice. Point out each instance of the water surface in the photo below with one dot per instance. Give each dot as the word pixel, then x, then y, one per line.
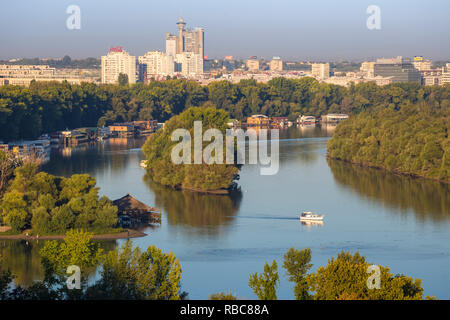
pixel 393 220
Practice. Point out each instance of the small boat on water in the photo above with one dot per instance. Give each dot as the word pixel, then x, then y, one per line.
pixel 309 216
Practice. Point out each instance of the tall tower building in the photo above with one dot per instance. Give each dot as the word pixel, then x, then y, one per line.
pixel 118 61
pixel 180 43
pixel 187 40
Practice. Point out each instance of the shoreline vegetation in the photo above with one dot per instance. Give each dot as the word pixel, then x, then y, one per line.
pixel 394 172
pixel 28 112
pixel 121 234
pixel 412 140
pixel 202 177
pixel 127 273
pixel 39 203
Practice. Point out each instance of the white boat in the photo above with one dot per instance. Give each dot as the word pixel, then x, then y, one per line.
pixel 309 216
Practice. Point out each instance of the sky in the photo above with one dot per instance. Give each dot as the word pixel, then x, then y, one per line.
pixel 315 30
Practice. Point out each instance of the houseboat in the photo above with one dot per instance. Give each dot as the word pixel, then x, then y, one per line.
pixel 307 120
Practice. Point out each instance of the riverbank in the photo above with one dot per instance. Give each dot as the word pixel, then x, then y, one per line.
pixel 411 175
pixel 127 234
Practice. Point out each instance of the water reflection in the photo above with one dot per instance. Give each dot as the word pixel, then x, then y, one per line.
pixel 305 131
pixel 312 223
pixel 110 155
pixel 23 260
pixel 428 199
pixel 209 213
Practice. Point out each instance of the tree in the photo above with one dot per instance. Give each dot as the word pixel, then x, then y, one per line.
pixel 346 278
pixel 123 79
pixel 52 205
pixel 297 264
pixel 265 285
pixel 128 273
pixel 76 249
pixel 222 296
pixel 199 177
pixel 66 61
pixel 8 163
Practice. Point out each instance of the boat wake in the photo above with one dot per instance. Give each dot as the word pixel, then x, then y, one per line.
pixel 267 217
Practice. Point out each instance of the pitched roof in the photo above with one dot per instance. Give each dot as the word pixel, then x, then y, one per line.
pixel 128 202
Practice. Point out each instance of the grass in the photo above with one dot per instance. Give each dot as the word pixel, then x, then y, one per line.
pixel 10 232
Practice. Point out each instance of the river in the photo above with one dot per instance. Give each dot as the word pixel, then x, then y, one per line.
pixel 393 220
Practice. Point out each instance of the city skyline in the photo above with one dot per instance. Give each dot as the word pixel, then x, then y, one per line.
pixel 316 31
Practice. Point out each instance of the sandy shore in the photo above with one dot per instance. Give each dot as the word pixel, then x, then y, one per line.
pixel 128 233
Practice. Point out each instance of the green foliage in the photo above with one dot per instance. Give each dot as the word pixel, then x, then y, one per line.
pixel 297 264
pixel 8 163
pixel 47 107
pixel 265 285
pixel 346 278
pixel 412 140
pixel 128 273
pixel 76 249
pixel 52 205
pixel 123 79
pixel 204 177
pixel 222 296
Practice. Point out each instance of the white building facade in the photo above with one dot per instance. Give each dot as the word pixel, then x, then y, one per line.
pixel 118 61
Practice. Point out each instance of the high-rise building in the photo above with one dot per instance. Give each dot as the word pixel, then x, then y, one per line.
pixel 420 64
pixel 367 68
pixel 187 40
pixel 171 44
pixel 252 64
pixel 155 63
pixel 191 63
pixel 276 64
pixel 118 61
pixel 320 70
pixel 400 69
pixel 445 78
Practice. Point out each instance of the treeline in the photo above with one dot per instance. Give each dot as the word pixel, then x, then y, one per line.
pixel 128 273
pixel 65 62
pixel 26 113
pixel 346 277
pixel 49 204
pixel 411 140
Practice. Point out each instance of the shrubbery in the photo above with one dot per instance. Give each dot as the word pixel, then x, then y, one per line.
pixel 413 140
pixel 52 205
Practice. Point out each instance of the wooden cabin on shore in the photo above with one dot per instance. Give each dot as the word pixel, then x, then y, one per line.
pixel 132 211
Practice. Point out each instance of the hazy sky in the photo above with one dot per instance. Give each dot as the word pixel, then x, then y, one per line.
pixel 292 29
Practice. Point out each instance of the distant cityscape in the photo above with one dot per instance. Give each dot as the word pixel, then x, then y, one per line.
pixel 184 57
